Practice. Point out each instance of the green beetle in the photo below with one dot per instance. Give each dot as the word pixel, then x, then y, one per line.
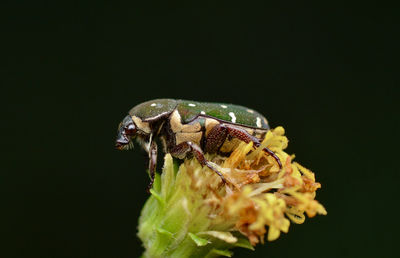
pixel 191 128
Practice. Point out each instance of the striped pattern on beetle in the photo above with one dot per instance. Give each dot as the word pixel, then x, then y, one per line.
pixel 191 128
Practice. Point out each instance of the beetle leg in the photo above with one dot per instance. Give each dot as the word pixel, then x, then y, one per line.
pixel 152 163
pixel 184 147
pixel 221 131
pixel 215 138
pixel 243 135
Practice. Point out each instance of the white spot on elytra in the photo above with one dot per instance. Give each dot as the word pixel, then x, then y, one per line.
pixel 223 106
pixel 153 104
pixel 250 111
pixel 258 122
pixel 231 114
pixel 202 112
pixel 192 105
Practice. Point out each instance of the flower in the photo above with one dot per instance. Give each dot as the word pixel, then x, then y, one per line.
pixel 192 213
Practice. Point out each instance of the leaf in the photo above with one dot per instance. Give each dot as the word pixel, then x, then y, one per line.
pixel 198 240
pixel 164 232
pixel 244 242
pixel 217 252
pixel 222 235
pixel 157 196
pixel 157 182
pixel 167 177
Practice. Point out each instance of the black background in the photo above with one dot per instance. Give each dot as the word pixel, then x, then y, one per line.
pixel 72 71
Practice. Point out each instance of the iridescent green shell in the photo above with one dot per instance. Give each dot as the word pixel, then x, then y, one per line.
pixel 188 110
pixel 152 109
pixel 228 112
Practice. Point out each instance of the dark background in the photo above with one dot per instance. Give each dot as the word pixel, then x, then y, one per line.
pixel 72 71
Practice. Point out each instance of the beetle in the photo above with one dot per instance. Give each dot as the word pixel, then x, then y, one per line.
pixel 191 128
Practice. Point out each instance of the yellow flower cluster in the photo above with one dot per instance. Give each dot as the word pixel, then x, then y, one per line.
pixel 258 193
pixel 192 213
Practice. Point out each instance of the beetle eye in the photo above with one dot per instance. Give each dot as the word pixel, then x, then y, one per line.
pixel 130 129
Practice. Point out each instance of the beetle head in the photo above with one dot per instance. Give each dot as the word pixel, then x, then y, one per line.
pixel 127 131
